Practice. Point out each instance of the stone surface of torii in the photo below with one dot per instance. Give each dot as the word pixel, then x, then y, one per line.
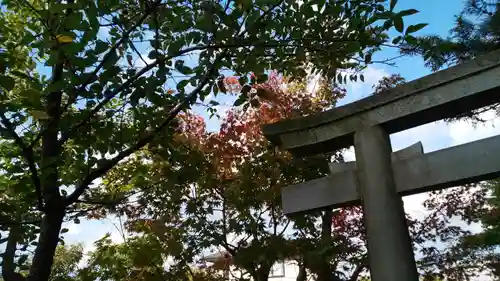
pixel 414 172
pixel 380 177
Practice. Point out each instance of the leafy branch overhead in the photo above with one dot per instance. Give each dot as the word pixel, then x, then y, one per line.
pixel 85 85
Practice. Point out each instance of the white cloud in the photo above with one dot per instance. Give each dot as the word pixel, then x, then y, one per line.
pixel 464 132
pixel 73 229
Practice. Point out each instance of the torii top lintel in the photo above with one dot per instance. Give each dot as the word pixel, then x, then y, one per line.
pixel 447 93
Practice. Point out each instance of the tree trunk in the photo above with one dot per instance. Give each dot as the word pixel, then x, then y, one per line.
pixel 302 276
pixel 54 207
pixel 47 243
pixel 359 268
pixel 261 273
pixel 8 266
pixel 326 272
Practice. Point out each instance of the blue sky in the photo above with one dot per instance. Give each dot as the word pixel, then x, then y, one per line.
pixel 440 16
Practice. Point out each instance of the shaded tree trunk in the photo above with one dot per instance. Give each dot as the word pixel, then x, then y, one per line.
pixel 261 273
pixel 325 270
pixel 54 207
pixel 302 276
pixel 47 244
pixel 8 265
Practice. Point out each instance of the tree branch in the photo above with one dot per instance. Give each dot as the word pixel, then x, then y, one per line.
pixel 359 268
pixel 82 186
pixel 285 227
pixel 149 67
pixel 101 202
pixel 117 44
pixel 8 222
pixel 109 54
pixel 8 265
pixel 225 243
pixel 28 156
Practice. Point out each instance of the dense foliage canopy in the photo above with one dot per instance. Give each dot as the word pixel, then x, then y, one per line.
pixel 85 85
pixel 96 120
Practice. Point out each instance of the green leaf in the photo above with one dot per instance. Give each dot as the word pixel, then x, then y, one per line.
pixel 261 78
pixel 411 39
pixel 111 60
pixel 153 55
pixel 7 82
pixel 74 21
pixel 415 28
pixel 398 24
pixel 110 73
pixel 243 80
pixel 179 66
pixel 368 58
pixel 39 115
pixel 101 46
pixel 31 95
pixel 408 12
pixel 175 46
pixel 24 76
pixel 362 77
pixel 238 102
pixel 241 99
pixel 397 40
pixel 64 230
pixel 393 4
pixel 182 84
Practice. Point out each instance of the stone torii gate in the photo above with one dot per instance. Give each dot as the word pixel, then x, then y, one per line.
pixel 379 177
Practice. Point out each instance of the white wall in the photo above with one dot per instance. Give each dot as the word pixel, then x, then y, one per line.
pixel 291 272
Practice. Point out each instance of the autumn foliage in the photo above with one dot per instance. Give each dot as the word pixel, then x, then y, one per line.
pixel 231 182
pixel 220 191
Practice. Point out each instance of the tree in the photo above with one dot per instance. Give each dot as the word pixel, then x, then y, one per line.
pixel 233 202
pixel 236 192
pixel 227 194
pixel 476 32
pixel 223 185
pixel 66 261
pixel 86 97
